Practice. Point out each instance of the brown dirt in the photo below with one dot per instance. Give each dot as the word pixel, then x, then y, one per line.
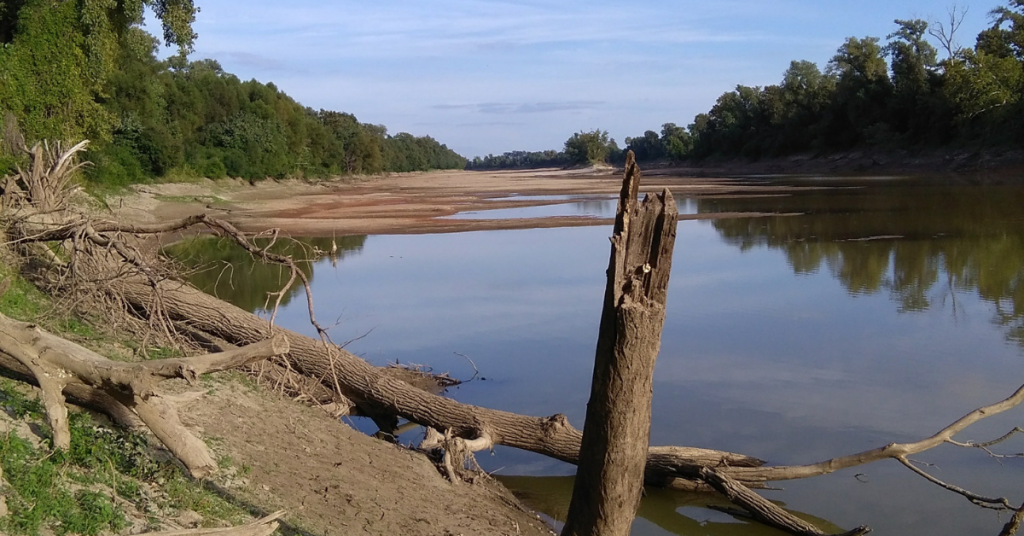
pixel 334 480
pixel 400 203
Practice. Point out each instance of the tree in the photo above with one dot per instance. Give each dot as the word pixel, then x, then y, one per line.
pixel 977 82
pixel 946 34
pixel 862 89
pixel 913 77
pixel 592 147
pixel 57 58
pixel 676 141
pixel 1008 25
pixel 646 147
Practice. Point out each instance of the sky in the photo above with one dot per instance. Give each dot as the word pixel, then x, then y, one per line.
pixel 493 76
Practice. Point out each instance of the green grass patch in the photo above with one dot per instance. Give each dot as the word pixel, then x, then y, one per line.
pixel 22 301
pixel 73 491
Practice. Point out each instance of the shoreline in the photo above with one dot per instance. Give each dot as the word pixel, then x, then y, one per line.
pixel 413 203
pixel 972 166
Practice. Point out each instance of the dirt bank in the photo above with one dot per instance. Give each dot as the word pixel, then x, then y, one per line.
pixel 334 480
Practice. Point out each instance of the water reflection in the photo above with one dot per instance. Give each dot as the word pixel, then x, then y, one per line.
pixel 222 268
pixel 919 242
pixel 661 511
pixel 593 208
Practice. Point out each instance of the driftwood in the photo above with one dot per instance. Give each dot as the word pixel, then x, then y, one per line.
pixel 762 510
pixel 613 451
pixel 56 364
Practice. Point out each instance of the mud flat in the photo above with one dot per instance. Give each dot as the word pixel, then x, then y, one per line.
pixel 407 203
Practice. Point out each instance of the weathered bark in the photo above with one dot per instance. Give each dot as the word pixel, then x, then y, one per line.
pixel 763 510
pixel 1013 525
pixel 57 364
pixel 613 452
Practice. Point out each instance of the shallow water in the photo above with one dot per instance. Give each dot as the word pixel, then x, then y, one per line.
pixel 883 313
pixel 574 205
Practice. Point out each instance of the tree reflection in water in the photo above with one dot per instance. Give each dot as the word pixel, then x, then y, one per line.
pixel 919 241
pixel 222 268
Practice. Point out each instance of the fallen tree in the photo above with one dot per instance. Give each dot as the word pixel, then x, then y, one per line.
pixel 56 365
pixel 102 260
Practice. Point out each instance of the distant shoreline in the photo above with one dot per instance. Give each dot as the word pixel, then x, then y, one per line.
pixel 980 166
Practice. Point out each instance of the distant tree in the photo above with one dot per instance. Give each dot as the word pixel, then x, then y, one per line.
pixel 914 77
pixel 676 141
pixel 1007 28
pixel 646 147
pixel 805 94
pixel 863 87
pixel 945 32
pixel 978 83
pixel 591 147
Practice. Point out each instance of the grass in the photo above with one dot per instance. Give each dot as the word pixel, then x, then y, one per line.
pixel 92 487
pixel 108 476
pixel 22 301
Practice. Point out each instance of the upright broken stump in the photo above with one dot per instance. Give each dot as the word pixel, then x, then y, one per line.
pixel 609 480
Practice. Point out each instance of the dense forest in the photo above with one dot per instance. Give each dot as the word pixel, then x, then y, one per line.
pixel 872 95
pixel 84 69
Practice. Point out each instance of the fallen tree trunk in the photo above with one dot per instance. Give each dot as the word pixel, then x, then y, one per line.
pixel 56 364
pixel 358 380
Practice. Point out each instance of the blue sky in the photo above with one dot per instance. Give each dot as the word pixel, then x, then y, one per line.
pixel 494 76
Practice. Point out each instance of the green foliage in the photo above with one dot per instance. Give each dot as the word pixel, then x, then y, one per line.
pixel 594 147
pixel 44 79
pixel 977 85
pixel 22 301
pixel 223 269
pixel 85 69
pixel 39 496
pixel 519 160
pixel 971 98
pixel 73 491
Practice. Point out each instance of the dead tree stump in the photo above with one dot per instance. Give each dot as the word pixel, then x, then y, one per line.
pixel 610 476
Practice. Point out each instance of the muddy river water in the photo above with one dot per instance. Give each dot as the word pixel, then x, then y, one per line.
pixel 875 311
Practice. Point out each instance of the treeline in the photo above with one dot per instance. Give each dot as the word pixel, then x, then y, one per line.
pixel 63 75
pixel 912 101
pixel 520 160
pixel 872 95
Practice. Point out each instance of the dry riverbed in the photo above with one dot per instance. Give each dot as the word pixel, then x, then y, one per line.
pixel 404 203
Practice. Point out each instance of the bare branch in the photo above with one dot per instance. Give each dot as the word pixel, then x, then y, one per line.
pixel 761 509
pixel 1000 503
pixel 892 450
pixel 946 33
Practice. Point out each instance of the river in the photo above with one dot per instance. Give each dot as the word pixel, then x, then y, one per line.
pixel 875 310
